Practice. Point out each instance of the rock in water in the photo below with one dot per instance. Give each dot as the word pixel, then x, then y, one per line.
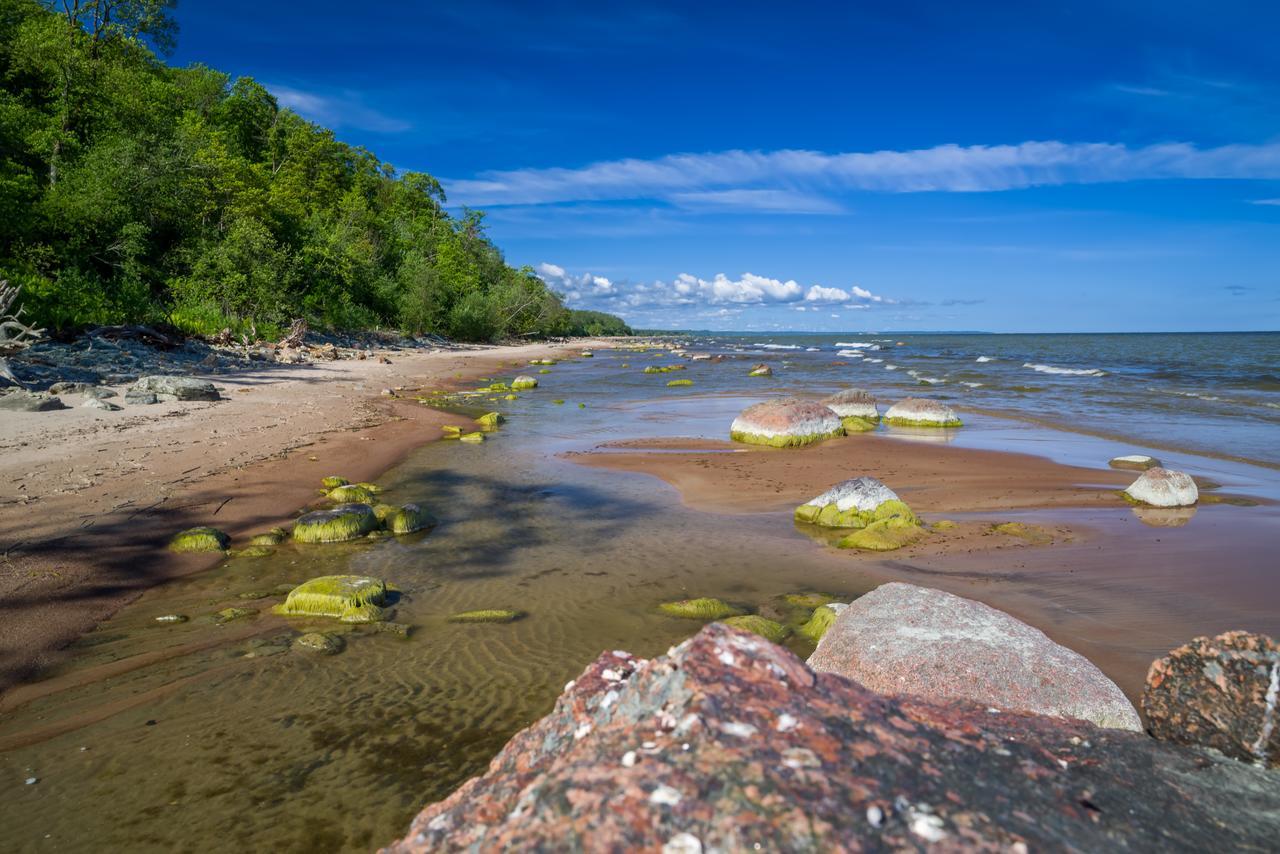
pixel 729 742
pixel 202 539
pixel 853 403
pixel 852 504
pixel 1134 462
pixel 921 412
pixel 350 598
pixel 524 381
pixel 20 400
pixel 903 639
pixel 344 522
pixel 1160 487
pixel 1221 693
pixel 785 423
pixel 760 370
pixel 174 388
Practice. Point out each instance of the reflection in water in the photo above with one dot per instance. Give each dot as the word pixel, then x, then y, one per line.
pixel 934 435
pixel 1164 517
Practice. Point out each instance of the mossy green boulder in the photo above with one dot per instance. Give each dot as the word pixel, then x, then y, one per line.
pixel 857 424
pixel 490 419
pixel 333 481
pixel 344 522
pixel 524 381
pixel 821 619
pixel 704 608
pixel 202 539
pixel 883 535
pixel 408 519
pixel 271 538
pixel 473 438
pixel 855 503
pixel 765 628
pixel 350 493
pixel 785 423
pixel 679 382
pixel 486 615
pixel 349 598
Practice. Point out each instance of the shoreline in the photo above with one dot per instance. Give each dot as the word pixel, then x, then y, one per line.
pixel 93 497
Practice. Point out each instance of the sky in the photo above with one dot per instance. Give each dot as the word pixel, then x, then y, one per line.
pixel 1035 167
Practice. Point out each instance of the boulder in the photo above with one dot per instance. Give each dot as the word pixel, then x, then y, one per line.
pixel 203 539
pixel 98 403
pixel 1134 462
pixel 344 522
pixel 853 403
pixel 903 639
pixel 409 519
pixel 524 381
pixel 321 643
pixel 729 743
pixel 922 412
pixel 140 398
pixel 785 422
pixel 760 370
pixel 852 504
pixel 20 400
pixel 349 598
pixel 1219 692
pixel 175 388
pixel 1160 487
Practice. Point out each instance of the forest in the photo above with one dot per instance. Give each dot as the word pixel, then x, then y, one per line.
pixel 132 191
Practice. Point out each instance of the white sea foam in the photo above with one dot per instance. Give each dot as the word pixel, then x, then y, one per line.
pixel 812 349
pixel 778 346
pixel 850 354
pixel 891 367
pixel 863 344
pixel 983 359
pixel 972 385
pixel 1066 372
pixel 875 361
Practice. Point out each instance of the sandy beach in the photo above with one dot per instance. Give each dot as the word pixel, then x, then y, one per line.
pixel 89 495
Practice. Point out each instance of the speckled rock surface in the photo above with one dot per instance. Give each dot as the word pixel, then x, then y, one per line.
pixel 1219 692
pixel 176 388
pixel 730 742
pixel 1160 487
pixel 785 421
pixel 904 639
pixel 853 403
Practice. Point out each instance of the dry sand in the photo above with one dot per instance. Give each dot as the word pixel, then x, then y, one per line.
pixel 87 495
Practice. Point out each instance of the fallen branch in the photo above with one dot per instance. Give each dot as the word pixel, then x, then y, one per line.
pixel 14 334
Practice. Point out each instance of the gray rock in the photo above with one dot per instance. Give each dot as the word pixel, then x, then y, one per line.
pixel 901 639
pixel 324 643
pixel 99 393
pixel 69 388
pixel 30 401
pixel 177 388
pixel 95 403
pixel 140 398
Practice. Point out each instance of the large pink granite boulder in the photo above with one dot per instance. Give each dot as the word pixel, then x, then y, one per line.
pixel 785 422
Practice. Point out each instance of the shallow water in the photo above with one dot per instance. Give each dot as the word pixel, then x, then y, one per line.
pixel 221 740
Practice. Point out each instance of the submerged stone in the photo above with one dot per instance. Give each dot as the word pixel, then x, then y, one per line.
pixel 256 551
pixel 226 615
pixel 785 422
pixel 679 382
pixel 344 522
pixel 471 437
pixel 765 628
pixel 486 615
pixel 490 419
pixel 203 539
pixel 1031 533
pixel 761 370
pixel 322 643
pixel 1134 462
pixel 883 535
pixel 271 538
pixel 808 601
pixel 704 608
pixel 922 412
pixel 1161 487
pixel 349 598
pixel 408 519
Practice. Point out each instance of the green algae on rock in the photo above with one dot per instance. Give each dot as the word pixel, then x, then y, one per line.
pixel 471 437
pixel 333 481
pixel 349 598
pixel 785 423
pixel 486 615
pixel 944 525
pixel 679 382
pixel 761 370
pixel 854 403
pixel 524 381
pixel 883 535
pixel 202 539
pixel 321 643
pixel 256 551
pixel 271 538
pixel 808 601
pixel 704 608
pixel 854 503
pixel 1031 533
pixel 765 628
pixel 344 522
pixel 226 615
pixel 350 493
pixel 921 412
pixel 490 419
pixel 821 619
pixel 408 519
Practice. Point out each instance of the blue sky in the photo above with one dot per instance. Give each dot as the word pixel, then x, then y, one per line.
pixel 764 166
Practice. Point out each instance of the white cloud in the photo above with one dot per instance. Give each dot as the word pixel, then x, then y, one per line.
pixel 818 293
pixel 777 178
pixel 573 287
pixel 764 201
pixel 1275 202
pixel 344 108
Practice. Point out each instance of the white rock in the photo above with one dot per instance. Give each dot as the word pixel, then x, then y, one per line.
pixel 1164 488
pixel 922 411
pixel 863 493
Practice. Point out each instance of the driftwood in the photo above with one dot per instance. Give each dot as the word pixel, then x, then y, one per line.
pixel 14 334
pixel 6 374
pixel 139 333
pixel 297 331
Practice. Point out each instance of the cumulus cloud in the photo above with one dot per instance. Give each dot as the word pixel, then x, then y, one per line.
pixel 574 287
pixel 800 178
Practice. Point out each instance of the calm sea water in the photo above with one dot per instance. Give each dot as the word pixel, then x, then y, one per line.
pixel 1216 393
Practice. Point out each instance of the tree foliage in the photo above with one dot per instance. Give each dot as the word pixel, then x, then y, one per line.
pixel 132 191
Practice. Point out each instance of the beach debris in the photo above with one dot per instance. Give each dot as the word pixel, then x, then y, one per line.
pixel 704 608
pixel 269 538
pixel 1160 487
pixel 202 539
pixel 760 370
pixel 854 503
pixel 904 639
pixel 408 519
pixel 349 598
pixel 663 763
pixel 344 522
pixel 921 412
pixel 856 407
pixel 1134 462
pixel 350 493
pixel 172 618
pixel 757 625
pixel 1221 692
pixel 21 400
pixel 486 615
pixel 821 620
pixel 168 388
pixel 524 381
pixel 785 422
pixel 321 643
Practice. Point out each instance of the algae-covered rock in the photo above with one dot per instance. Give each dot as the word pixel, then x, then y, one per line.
pixel 785 422
pixel 921 412
pixel 704 608
pixel 821 619
pixel 384 511
pixel 333 481
pixel 351 493
pixel 322 643
pixel 349 598
pixel 402 630
pixel 226 615
pixel 486 615
pixel 524 381
pixel 944 525
pixel 271 538
pixel 587 354
pixel 256 551
pixel 808 601
pixel 408 519
pixel 854 424
pixel 344 522
pixel 883 535
pixel 471 437
pixel 853 504
pixel 679 382
pixel 1134 462
pixel 203 539
pixel 765 628
pixel 1033 534
pixel 511 397
pixel 853 403
pixel 490 419
pixel 1161 487
pixel 761 370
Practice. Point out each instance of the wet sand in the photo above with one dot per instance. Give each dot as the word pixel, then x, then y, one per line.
pixel 88 495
